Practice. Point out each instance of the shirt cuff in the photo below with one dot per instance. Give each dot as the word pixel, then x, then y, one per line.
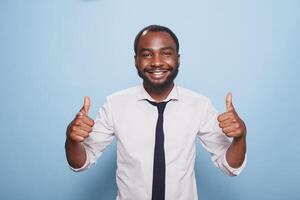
pixel 234 171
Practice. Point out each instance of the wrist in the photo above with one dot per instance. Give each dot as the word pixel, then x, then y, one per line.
pixel 70 141
pixel 241 137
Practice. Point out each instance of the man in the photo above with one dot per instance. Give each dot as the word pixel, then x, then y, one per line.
pixel 156 125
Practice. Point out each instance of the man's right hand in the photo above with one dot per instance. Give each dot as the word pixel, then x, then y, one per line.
pixel 82 125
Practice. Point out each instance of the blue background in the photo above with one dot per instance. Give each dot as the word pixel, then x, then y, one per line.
pixel 55 52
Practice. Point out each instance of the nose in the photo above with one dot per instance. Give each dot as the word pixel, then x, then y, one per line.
pixel 157 61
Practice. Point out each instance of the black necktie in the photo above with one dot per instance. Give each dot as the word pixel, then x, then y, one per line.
pixel 159 166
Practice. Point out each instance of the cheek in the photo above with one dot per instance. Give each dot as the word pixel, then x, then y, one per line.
pixel 172 62
pixel 143 63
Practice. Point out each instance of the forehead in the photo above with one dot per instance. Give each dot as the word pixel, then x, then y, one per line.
pixel 156 40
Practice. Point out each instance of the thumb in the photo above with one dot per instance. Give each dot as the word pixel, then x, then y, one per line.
pixel 86 105
pixel 229 105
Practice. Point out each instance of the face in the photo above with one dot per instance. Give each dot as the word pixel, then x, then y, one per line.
pixel 156 60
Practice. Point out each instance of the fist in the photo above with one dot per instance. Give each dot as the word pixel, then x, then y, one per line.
pixel 82 125
pixel 231 124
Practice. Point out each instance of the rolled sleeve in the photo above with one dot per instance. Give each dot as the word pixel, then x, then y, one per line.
pixel 84 167
pixel 228 170
pixel 87 163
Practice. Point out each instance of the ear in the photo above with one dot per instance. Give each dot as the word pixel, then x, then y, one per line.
pixel 178 59
pixel 135 60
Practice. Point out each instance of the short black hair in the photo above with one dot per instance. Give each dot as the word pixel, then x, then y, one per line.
pixel 156 28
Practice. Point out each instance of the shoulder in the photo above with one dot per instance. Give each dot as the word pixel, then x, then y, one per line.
pixel 196 100
pixel 187 94
pixel 124 94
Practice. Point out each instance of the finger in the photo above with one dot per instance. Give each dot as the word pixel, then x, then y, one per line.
pixel 87 120
pixel 76 138
pixel 85 127
pixel 79 114
pixel 225 116
pixel 82 118
pixel 226 123
pixel 79 132
pixel 229 129
pixel 236 133
pixel 229 105
pixel 87 104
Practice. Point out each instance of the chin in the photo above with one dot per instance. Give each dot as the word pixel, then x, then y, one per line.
pixel 159 85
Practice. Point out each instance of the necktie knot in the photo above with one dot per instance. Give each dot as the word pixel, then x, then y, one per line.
pixel 160 106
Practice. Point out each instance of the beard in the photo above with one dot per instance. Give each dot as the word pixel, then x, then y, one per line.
pixel 158 87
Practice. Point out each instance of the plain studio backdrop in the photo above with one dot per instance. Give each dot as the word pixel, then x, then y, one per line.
pixel 55 52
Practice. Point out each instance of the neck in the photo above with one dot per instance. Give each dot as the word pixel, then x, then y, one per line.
pixel 161 94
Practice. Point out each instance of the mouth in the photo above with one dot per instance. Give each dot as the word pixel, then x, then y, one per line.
pixel 157 73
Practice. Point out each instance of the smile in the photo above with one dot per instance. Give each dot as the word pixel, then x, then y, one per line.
pixel 158 73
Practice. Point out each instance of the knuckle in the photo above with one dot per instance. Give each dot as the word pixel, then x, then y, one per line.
pixel 220 125
pixel 229 135
pixel 77 120
pixel 73 137
pixel 90 121
pixel 85 134
pixel 79 139
pixel 73 128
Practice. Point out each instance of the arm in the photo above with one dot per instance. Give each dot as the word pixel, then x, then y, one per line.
pixel 88 138
pixel 235 154
pixel 77 131
pixel 234 127
pixel 75 153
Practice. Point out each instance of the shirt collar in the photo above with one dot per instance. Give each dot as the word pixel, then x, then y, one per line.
pixel 144 95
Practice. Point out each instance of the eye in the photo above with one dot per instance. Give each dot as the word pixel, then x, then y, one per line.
pixel 146 55
pixel 167 53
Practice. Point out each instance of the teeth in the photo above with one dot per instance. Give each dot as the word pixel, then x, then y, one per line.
pixel 160 71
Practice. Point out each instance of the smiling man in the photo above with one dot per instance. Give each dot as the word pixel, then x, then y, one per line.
pixel 157 61
pixel 156 125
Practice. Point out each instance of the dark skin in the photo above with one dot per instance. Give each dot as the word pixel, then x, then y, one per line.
pixel 157 60
pixel 233 126
pixel 77 131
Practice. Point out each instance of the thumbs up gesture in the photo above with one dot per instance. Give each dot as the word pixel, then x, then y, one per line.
pixel 82 125
pixel 231 124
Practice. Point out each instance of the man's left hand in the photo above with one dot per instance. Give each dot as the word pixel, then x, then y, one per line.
pixel 231 124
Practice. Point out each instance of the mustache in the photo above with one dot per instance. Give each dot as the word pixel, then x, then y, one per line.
pixel 153 69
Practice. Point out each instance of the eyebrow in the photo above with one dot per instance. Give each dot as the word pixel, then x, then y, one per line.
pixel 145 49
pixel 149 49
pixel 169 47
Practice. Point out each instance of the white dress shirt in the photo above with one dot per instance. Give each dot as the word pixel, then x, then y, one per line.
pixel 128 117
